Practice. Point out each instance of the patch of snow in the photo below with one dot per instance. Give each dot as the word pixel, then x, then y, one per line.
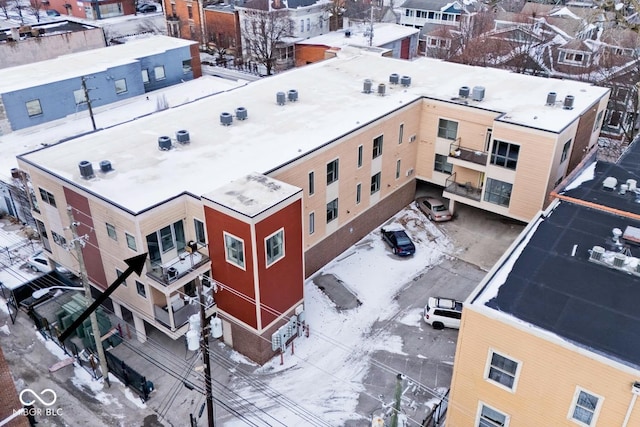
pixel 5 329
pixel 588 174
pixel 412 318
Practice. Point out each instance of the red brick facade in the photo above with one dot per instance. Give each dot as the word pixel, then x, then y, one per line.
pixel 9 396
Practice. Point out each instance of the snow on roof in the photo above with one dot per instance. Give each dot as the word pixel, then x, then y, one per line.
pixel 84 63
pixel 331 103
pixel 565 12
pixel 383 33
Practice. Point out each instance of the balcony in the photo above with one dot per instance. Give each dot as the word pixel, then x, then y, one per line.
pixel 464 189
pixel 456 151
pixel 173 270
pixel 177 314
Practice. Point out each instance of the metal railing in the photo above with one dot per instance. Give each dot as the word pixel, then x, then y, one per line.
pixel 167 274
pixel 464 189
pixel 457 151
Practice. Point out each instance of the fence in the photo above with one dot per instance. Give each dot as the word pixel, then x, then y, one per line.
pixel 438 415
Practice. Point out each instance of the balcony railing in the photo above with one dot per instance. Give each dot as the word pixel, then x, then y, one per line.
pixel 464 189
pixel 467 154
pixel 181 314
pixel 168 272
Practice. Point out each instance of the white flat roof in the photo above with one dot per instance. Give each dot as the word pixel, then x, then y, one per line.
pixel 331 104
pixel 383 33
pixel 84 63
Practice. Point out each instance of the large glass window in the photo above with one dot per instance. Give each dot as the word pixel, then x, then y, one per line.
pixel 200 233
pixel 33 107
pixel 447 129
pixel 234 250
pixel 584 407
pixel 497 192
pixel 274 247
pixel 377 146
pixel 502 370
pixel 332 210
pixel 332 171
pixel 505 154
pixel 441 164
pixel 489 417
pixel 166 239
pixel 375 183
pixel 47 197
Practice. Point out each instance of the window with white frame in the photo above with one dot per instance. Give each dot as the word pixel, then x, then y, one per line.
pixel 131 241
pixel 159 72
pixel 375 183
pixel 489 417
pixel 332 210
pixel 360 150
pixel 502 370
pixel 505 154
pixel 121 86
pixel 377 146
pixel 447 129
pixel 498 192
pixel 584 408
pixel 234 250
pixel 441 164
pixel 200 232
pixel 33 107
pixel 332 171
pixel 111 231
pixel 312 183
pixel 274 246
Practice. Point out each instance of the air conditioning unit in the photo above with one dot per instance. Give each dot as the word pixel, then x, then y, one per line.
pixel 410 172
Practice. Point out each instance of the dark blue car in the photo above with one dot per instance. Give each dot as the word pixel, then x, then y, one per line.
pixel 400 243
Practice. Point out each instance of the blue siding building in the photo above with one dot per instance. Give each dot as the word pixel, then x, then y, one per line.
pixel 38 93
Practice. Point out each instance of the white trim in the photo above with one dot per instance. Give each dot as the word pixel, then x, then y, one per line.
pixel 266 254
pixel 226 253
pixel 574 402
pixel 507 418
pixel 488 366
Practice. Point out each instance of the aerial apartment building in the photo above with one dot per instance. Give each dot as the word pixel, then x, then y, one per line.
pixel 253 190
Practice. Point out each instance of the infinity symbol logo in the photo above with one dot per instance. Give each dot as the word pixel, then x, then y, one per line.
pixel 31 402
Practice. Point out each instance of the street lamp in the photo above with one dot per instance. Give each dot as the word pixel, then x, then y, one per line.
pixel 42 292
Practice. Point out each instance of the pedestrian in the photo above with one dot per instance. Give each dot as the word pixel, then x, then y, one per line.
pixel 29 410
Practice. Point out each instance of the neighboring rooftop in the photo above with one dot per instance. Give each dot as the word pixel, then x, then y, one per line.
pixel 61 26
pixel 330 104
pixel 383 33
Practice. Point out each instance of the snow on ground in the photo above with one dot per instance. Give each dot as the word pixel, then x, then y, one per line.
pixel 326 373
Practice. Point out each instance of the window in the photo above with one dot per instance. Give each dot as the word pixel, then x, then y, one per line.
pixel 131 241
pixel 79 96
pixel 377 146
pixel 159 72
pixel 447 129
pixel 234 249
pixel 190 11
pixel 497 192
pixel 596 124
pixel 47 197
pixel 565 151
pixel 33 107
pixel 375 183
pixel 360 148
pixel 145 76
pixel 274 247
pixel 302 25
pixel 200 234
pixel 505 154
pixel 308 25
pixel 358 193
pixel 320 22
pixel 141 289
pixel 312 187
pixel 502 370
pixel 312 222
pixel 111 231
pixel 332 171
pixel 401 133
pixel 441 164
pixel 584 407
pixel 332 210
pixel 186 66
pixel 489 417
pixel 118 274
pixel 166 239
pixel 121 86
pixel 58 239
pixel 398 169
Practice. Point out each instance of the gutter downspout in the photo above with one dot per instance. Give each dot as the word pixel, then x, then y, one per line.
pixel 635 389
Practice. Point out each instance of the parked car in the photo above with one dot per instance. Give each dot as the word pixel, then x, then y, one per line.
pixel 52 12
pixel 433 208
pixel 398 240
pixel 38 262
pixel 443 313
pixel 147 8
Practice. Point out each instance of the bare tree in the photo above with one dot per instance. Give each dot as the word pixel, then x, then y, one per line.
pixel 335 10
pixel 4 6
pixel 18 6
pixel 263 35
pixel 34 8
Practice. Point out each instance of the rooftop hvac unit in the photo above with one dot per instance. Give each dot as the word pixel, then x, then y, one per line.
pixel 241 113
pixel 478 93
pixel 596 253
pixel 367 86
pixel 280 98
pixel 405 81
pixel 164 143
pixel 105 166
pixel 86 169
pixel 226 119
pixel 292 95
pixel 632 184
pixel 610 183
pixel 182 136
pixel 394 78
pixel 551 98
pixel 619 260
pixel 568 102
pixel 381 89
pixel 463 92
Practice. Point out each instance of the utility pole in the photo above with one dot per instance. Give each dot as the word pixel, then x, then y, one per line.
pixel 204 348
pixel 78 243
pixel 396 403
pixel 86 96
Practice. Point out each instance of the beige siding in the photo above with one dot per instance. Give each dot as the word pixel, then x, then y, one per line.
pixel 549 374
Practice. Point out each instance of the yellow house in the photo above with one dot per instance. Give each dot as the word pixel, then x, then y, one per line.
pixel 551 335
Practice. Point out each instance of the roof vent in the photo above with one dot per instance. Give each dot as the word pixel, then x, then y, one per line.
pixel 597 253
pixel 394 78
pixel 241 113
pixel 568 102
pixel 610 183
pixel 280 98
pixel 86 169
pixel 105 166
pixel 183 136
pixel 164 143
pixel 478 93
pixel 292 95
pixel 226 119
pixel 463 92
pixel 551 98
pixel 381 89
pixel 632 184
pixel 619 260
pixel 616 233
pixel 405 81
pixel 367 86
